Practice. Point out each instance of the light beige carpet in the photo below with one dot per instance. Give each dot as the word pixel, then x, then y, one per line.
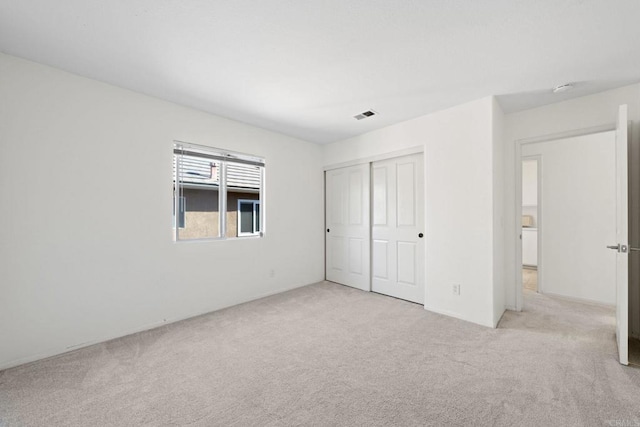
pixel 530 279
pixel 331 355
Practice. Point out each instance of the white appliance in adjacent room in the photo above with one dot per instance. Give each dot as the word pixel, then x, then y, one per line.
pixel 530 212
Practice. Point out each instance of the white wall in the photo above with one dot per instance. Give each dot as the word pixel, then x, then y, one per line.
pixel 578 216
pixel 459 206
pixel 580 113
pixel 86 252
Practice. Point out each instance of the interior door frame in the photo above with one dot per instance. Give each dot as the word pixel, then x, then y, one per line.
pixel 518 199
pixel 539 217
pixel 369 160
pixel 622 234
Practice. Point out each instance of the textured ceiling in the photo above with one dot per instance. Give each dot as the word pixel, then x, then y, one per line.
pixel 306 68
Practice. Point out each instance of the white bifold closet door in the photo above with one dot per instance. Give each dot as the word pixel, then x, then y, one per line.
pixel 397 228
pixel 348 226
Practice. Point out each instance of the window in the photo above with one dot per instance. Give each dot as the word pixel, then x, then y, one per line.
pixel 182 203
pixel 248 217
pixel 224 191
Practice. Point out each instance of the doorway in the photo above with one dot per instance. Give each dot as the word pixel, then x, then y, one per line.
pixel 578 207
pixel 565 249
pixel 531 168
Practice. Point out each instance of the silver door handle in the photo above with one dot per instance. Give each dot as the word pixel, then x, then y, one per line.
pixel 620 248
pixel 634 249
pixel 616 247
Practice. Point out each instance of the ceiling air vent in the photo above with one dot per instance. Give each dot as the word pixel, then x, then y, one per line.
pixel 365 115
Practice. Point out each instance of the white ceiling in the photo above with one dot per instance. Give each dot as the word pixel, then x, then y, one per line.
pixel 305 68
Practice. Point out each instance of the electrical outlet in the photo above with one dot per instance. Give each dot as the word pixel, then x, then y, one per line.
pixel 456 289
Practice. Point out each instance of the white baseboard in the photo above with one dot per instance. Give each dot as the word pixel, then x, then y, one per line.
pixel 457 316
pixel 580 300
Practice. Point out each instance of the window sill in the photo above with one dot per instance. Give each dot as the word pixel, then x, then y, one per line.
pixel 220 239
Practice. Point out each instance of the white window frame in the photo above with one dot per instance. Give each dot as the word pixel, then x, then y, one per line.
pixel 223 157
pixel 254 203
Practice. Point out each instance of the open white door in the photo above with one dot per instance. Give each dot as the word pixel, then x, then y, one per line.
pixel 347 220
pixel 622 246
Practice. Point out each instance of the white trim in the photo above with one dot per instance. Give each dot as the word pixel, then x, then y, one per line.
pixel 518 226
pixel 518 199
pixel 222 201
pixel 579 300
pixel 385 156
pixel 228 154
pixel 539 219
pixel 568 134
pixel 460 316
pixel 176 197
pixel 262 197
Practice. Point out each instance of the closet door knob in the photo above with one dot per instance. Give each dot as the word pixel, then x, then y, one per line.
pixel 328 230
pixel 421 235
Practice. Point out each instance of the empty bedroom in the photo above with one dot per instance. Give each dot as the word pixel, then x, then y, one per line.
pixel 276 213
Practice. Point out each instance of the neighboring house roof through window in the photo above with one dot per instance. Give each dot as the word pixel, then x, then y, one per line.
pixel 201 172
